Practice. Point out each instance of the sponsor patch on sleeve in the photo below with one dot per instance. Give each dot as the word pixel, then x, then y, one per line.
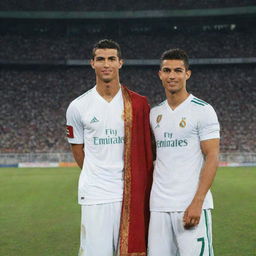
pixel 69 131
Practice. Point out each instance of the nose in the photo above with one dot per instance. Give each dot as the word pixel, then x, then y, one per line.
pixel 106 63
pixel 172 75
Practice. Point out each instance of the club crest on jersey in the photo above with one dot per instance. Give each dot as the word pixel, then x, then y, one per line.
pixel 158 120
pixel 183 122
pixel 94 120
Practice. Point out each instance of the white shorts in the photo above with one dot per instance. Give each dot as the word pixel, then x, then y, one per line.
pixel 100 229
pixel 168 237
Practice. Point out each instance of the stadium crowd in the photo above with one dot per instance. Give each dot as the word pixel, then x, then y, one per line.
pixel 112 5
pixel 34 99
pixel 34 102
pixel 200 45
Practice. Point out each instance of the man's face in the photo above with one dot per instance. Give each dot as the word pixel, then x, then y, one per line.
pixel 174 75
pixel 106 64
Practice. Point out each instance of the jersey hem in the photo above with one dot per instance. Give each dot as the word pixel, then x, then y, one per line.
pixel 215 136
pixel 100 202
pixel 75 142
pixel 179 210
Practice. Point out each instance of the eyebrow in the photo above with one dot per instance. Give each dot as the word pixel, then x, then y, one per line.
pixel 109 57
pixel 167 68
pixel 112 57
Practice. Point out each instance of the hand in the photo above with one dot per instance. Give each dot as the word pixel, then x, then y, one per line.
pixel 192 215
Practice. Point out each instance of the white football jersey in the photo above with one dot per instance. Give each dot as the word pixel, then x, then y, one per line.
pixel 99 125
pixel 179 160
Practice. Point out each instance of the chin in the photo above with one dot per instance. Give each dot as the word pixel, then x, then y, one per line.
pixel 107 80
pixel 172 90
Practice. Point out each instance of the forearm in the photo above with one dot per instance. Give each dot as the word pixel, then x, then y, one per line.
pixel 79 160
pixel 210 150
pixel 207 176
pixel 78 154
pixel 193 212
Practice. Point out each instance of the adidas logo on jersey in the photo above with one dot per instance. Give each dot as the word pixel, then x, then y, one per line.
pixel 94 120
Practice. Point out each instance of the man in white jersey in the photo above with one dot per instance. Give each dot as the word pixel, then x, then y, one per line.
pixel 186 131
pixel 100 126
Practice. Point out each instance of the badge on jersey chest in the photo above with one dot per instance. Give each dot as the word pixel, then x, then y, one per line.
pixel 158 120
pixel 183 123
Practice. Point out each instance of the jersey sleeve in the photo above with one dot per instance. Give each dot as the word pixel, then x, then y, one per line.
pixel 74 129
pixel 151 119
pixel 209 127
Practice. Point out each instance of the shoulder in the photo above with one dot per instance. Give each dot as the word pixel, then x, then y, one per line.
pixel 200 105
pixel 158 107
pixel 82 99
pixel 202 111
pixel 194 101
pixel 80 102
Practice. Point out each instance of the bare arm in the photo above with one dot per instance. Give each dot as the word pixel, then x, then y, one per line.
pixel 78 153
pixel 210 149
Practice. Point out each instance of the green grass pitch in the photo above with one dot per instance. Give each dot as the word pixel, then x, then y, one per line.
pixel 39 215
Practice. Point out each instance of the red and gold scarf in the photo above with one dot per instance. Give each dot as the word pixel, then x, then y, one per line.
pixel 138 166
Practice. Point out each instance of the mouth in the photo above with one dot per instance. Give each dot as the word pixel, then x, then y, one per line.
pixel 106 72
pixel 172 83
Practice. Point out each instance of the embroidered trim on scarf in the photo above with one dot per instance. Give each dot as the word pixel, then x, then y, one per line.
pixel 125 216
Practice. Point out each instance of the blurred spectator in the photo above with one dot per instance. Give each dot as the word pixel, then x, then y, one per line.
pixel 200 45
pixel 112 5
pixel 33 103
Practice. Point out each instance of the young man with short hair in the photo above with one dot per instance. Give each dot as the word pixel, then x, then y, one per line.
pixel 109 131
pixel 186 131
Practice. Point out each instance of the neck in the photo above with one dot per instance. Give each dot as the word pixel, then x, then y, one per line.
pixel 175 99
pixel 108 90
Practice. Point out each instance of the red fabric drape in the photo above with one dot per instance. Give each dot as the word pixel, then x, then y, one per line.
pixel 137 175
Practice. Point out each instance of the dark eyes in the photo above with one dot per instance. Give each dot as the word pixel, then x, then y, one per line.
pixel 167 70
pixel 102 59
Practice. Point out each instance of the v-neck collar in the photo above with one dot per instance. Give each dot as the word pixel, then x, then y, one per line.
pixel 180 106
pixel 115 98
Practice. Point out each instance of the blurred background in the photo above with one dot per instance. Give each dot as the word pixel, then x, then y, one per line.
pixel 45 48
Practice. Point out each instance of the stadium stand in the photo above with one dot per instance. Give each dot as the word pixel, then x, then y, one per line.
pixel 34 103
pixel 34 96
pixel 199 45
pixel 112 5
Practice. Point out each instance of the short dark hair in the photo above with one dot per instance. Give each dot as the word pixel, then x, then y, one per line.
pixel 175 54
pixel 107 44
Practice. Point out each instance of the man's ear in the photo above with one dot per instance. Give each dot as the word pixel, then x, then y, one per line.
pixel 92 63
pixel 160 74
pixel 188 74
pixel 121 63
